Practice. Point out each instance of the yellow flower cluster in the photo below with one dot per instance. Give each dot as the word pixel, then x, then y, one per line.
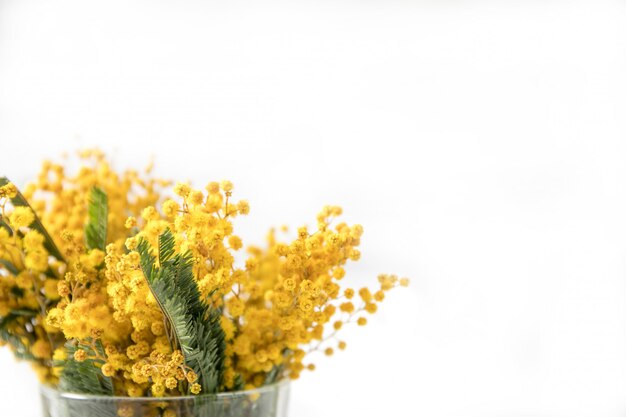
pixel 282 304
pixel 285 304
pixel 61 200
pixel 27 287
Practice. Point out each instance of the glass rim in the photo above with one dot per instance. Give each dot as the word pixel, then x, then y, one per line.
pixel 48 390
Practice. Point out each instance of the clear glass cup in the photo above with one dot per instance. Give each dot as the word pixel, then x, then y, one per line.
pixel 267 401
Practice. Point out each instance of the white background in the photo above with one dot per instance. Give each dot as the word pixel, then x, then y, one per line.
pixel 481 143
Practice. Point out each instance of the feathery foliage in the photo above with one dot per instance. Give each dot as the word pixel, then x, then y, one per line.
pixel 19 348
pixel 49 244
pixel 85 377
pixel 195 326
pixel 210 357
pixel 96 230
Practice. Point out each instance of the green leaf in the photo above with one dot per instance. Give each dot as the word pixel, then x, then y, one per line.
pixel 239 384
pixel 167 244
pixel 84 377
pixel 23 312
pixel 9 266
pixel 273 375
pixel 209 357
pixel 5 321
pixel 17 292
pixel 195 326
pixel 146 259
pixel 20 201
pixel 96 229
pixel 20 350
pixel 4 225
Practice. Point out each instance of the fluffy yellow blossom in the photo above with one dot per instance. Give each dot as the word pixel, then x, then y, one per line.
pixel 41 349
pixel 243 207
pixel 196 197
pixel 371 308
pixel 171 382
pixel 170 208
pixel 21 217
pixel 60 354
pixel 182 189
pixel 235 307
pixel 213 187
pixel 36 260
pixel 347 307
pixel 33 240
pixel 158 389
pixel 50 288
pixel 234 242
pixel 63 288
pixel 227 186
pixel 108 370
pixel 191 377
pixel 130 222
pixel 365 295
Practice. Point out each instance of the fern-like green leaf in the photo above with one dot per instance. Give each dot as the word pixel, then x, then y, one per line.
pixel 84 377
pixel 21 312
pixel 210 354
pixel 195 325
pixel 239 384
pixel 146 259
pixel 96 229
pixel 49 244
pixel 20 350
pixel 5 321
pixel 167 244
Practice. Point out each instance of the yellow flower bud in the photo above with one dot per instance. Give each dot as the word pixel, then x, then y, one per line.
pixel 80 355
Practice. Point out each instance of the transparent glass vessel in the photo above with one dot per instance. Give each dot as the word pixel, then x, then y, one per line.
pixel 267 401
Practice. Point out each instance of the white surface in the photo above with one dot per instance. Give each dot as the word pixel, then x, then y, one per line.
pixel 480 143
